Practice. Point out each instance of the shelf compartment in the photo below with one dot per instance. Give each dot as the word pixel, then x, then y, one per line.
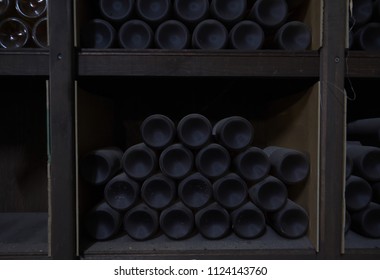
pixel 107 116
pixel 23 165
pixel 24 62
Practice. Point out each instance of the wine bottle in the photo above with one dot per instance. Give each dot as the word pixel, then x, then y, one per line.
pixel 246 35
pixel 235 133
pixel 230 191
pixel 366 130
pixel 366 161
pixel 366 222
pixel 269 14
pixel 269 195
pixel 191 12
pixel 14 33
pixel 195 191
pixel 158 191
pixel 122 192
pixel 139 161
pixel 31 9
pixel 177 221
pixel 116 10
pixel 213 161
pixel 361 12
pixel 141 222
pixel 358 193
pixel 289 165
pixel 5 7
pixel 102 222
pixel 40 33
pixel 136 34
pixel 158 131
pixel 248 221
pixel 172 35
pixel 194 131
pixel 365 37
pixel 252 164
pixel 213 221
pixel 293 36
pixel 228 12
pixel 153 11
pixel 97 34
pixel 176 161
pixel 99 166
pixel 291 221
pixel 209 34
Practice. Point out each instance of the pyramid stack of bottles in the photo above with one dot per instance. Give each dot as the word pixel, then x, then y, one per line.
pixel 362 190
pixel 23 24
pixel 195 177
pixel 197 24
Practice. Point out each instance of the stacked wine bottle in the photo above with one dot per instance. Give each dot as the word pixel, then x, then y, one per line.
pixel 362 192
pixel 364 25
pixel 23 24
pixel 195 176
pixel 197 24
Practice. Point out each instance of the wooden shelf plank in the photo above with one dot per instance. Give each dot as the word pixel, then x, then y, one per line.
pixel 24 62
pixel 271 63
pixel 363 64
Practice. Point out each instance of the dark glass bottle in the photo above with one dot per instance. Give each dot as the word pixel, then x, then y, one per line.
pixel 194 131
pixel 177 221
pixel 213 221
pixel 367 131
pixel 367 221
pixel 98 34
pixel 176 161
pixel 153 11
pixel 139 161
pixel 209 34
pixel 158 131
pixel 358 193
pixel 269 14
pixel 227 11
pixel 230 191
pixel 293 36
pixel 141 222
pixel 158 191
pixel 248 221
pixel 14 33
pixel 195 191
pixel 172 35
pixel 366 161
pixel 246 35
pixel 40 33
pixel 365 37
pixel 135 34
pixel 99 166
pixel 102 221
pixel 116 10
pixel 191 12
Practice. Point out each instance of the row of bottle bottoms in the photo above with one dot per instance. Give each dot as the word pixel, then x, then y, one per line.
pixel 199 24
pixel 365 25
pixel 362 187
pixel 228 171
pixel 23 24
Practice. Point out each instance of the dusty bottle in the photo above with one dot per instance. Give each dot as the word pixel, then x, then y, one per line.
pixel 158 131
pixel 361 12
pixel 248 221
pixel 227 11
pixel 14 33
pixel 269 195
pixel 366 161
pixel 194 131
pixel 349 165
pixel 158 191
pixel 213 221
pixel 97 34
pixel 269 14
pixel 358 193
pixel 141 222
pixel 289 165
pixel 291 221
pixel 213 161
pixel 99 166
pixel 367 221
pixel 139 161
pixel 230 191
pixel 172 35
pixel 210 34
pixel 31 9
pixel 195 191
pixel 293 36
pixel 365 38
pixel 367 131
pixel 102 221
pixel 191 12
pixel 153 11
pixel 135 34
pixel 122 192
pixel 252 164
pixel 116 10
pixel 246 35
pixel 347 222
pixel 235 133
pixel 40 33
pixel 177 221
pixel 176 161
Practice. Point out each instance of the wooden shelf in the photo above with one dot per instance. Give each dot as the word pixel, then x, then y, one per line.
pixel 23 234
pixel 363 64
pixel 270 244
pixel 116 62
pixel 26 62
